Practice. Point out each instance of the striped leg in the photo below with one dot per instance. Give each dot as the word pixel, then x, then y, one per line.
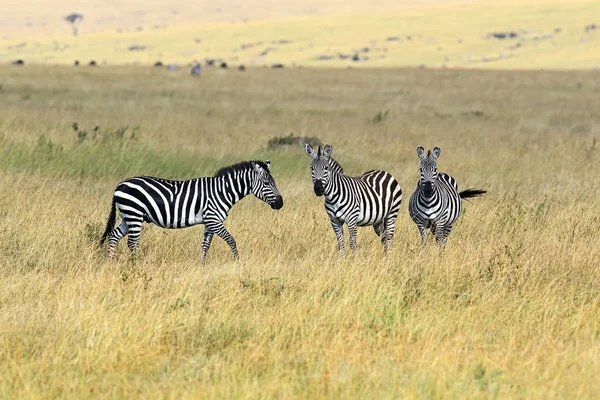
pixel 352 228
pixel 379 228
pixel 423 232
pixel 441 235
pixel 388 232
pixel 135 230
pixel 218 228
pixel 339 233
pixel 208 235
pixel 113 238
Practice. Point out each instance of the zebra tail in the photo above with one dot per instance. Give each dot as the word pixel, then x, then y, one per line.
pixel 110 224
pixel 468 193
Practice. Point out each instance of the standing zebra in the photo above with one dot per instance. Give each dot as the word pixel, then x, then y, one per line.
pixel 436 203
pixel 196 69
pixel 180 204
pixel 370 199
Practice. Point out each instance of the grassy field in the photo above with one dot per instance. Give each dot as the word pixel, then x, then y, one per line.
pixel 435 33
pixel 509 310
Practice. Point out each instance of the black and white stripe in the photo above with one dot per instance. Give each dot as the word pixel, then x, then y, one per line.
pixel 370 199
pixel 436 204
pixel 181 204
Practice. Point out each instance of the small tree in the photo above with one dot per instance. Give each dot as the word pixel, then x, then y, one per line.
pixel 74 19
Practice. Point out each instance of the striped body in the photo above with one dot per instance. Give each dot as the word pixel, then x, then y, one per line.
pixel 439 210
pixel 372 198
pixel 176 204
pixel 436 203
pixel 365 200
pixel 180 204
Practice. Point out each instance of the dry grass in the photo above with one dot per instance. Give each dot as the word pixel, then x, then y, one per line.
pixel 509 310
pixel 449 33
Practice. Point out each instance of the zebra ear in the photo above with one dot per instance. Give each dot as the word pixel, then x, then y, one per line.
pixel 309 150
pixel 421 152
pixel 327 150
pixel 436 152
pixel 268 163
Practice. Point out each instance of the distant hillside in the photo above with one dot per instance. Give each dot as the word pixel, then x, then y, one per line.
pixel 19 19
pixel 438 34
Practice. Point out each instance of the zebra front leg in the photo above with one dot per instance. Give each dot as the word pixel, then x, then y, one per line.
pixel 208 235
pixel 378 228
pixel 339 233
pixel 441 235
pixel 423 232
pixel 219 229
pixel 352 228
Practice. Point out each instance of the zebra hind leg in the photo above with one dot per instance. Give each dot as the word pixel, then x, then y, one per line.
pixel 114 236
pixel 388 233
pixel 208 235
pixel 133 238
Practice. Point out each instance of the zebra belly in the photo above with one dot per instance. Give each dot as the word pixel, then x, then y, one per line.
pixel 343 214
pixel 364 221
pixel 189 222
pixel 197 219
pixel 372 216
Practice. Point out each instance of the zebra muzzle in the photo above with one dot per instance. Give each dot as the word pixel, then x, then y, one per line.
pixel 278 203
pixel 428 189
pixel 319 190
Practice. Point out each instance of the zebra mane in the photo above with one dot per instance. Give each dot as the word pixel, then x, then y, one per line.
pixel 335 166
pixel 241 166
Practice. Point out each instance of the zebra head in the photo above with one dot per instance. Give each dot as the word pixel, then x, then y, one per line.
pixel 263 185
pixel 319 166
pixel 428 169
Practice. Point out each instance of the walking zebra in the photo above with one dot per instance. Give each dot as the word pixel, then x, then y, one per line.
pixel 181 204
pixel 370 199
pixel 436 203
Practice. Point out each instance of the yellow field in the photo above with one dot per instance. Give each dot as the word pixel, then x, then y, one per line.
pixel 510 309
pixel 434 33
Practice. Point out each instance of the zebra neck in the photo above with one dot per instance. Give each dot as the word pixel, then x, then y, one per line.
pixel 331 190
pixel 234 187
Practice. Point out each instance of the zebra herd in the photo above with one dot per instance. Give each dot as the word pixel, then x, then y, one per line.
pixel 371 199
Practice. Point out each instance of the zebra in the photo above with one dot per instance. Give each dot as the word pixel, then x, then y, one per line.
pixel 196 69
pixel 181 204
pixel 436 203
pixel 372 198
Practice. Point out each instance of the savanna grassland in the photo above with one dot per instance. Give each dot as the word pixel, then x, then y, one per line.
pixel 334 33
pixel 510 309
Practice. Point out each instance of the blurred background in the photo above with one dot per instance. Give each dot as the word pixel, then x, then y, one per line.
pixel 433 33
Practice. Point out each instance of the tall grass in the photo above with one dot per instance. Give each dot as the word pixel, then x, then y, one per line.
pixel 509 309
